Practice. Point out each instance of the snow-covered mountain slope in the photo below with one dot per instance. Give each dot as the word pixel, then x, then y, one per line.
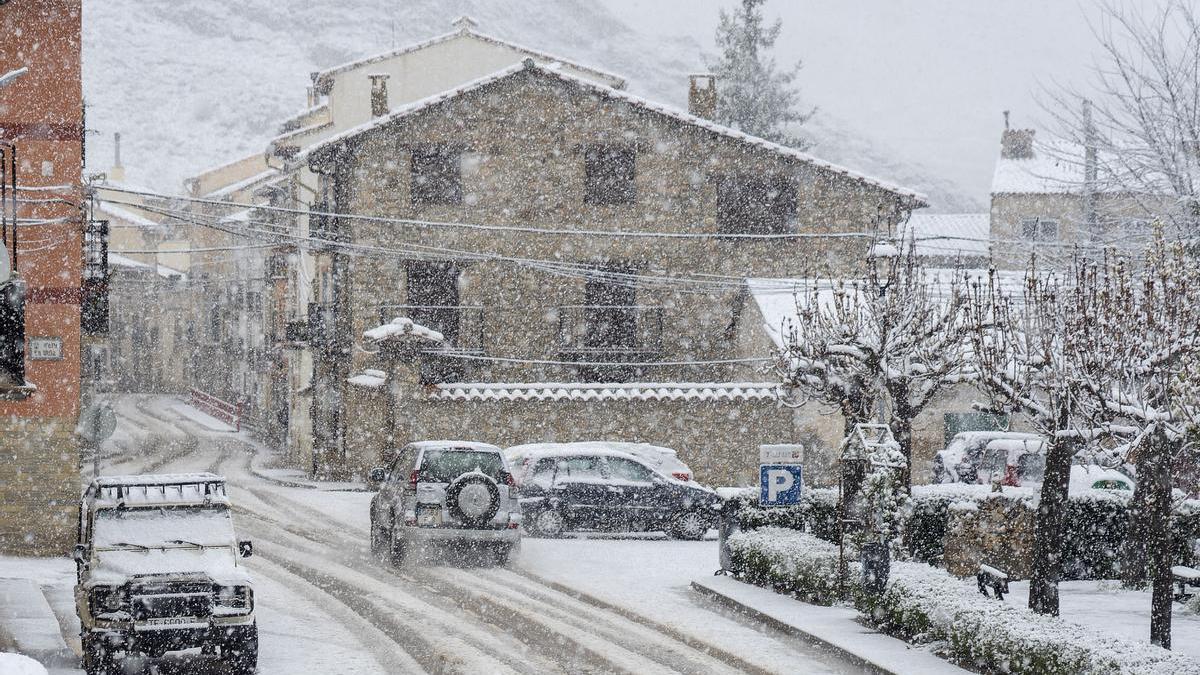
pixel 195 83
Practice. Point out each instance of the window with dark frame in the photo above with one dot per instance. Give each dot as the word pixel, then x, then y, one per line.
pixel 756 204
pixel 609 173
pixel 1039 229
pixel 436 172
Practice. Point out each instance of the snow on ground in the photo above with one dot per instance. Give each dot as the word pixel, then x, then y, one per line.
pixel 653 578
pixel 1107 607
pixel 15 664
pixel 203 419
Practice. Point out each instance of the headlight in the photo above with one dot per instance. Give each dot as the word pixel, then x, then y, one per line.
pixel 106 599
pixel 235 597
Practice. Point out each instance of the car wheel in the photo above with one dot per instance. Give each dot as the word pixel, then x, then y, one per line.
pixel 548 523
pixel 240 657
pixel 377 540
pixel 97 659
pixel 691 525
pixel 396 548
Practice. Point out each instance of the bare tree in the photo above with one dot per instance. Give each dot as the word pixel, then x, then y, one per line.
pixel 897 337
pixel 1139 138
pixel 1137 346
pixel 1022 344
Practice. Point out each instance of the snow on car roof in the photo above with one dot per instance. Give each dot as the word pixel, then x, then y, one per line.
pixel 158 479
pixel 453 445
pixel 587 446
pixel 158 489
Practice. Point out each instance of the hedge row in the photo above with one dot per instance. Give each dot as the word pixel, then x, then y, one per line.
pixel 924 604
pixel 1096 523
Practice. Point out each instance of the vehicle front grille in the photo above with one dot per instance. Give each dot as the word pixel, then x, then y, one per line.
pixel 162 601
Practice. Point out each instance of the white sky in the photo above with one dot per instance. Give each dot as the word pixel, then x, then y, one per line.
pixel 929 78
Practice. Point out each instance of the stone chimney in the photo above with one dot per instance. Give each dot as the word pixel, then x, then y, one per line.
pixel 702 95
pixel 1016 143
pixel 379 95
pixel 117 172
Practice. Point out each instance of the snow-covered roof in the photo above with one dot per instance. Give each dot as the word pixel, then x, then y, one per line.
pixel 128 216
pixel 948 234
pixel 403 327
pixel 578 391
pixel 1057 167
pixel 776 298
pixel 530 66
pixel 150 490
pixel 118 260
pixel 369 378
pixel 243 184
pixel 323 80
pixel 291 123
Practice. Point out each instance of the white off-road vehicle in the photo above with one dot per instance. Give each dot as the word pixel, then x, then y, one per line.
pixel 456 492
pixel 158 572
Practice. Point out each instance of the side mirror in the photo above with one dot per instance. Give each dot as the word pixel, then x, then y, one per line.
pixel 79 554
pixel 377 475
pixel 246 548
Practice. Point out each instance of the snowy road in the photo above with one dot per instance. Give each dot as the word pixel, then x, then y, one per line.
pixel 326 605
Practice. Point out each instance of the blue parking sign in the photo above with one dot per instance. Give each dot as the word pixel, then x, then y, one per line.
pixel 780 484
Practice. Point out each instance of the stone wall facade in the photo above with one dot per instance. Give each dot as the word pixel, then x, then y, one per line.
pixel 39 485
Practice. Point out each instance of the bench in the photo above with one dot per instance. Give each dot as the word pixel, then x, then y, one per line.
pixel 1184 577
pixel 990 577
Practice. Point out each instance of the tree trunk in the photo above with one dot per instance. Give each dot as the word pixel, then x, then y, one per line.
pixel 1156 473
pixel 1134 551
pixel 901 423
pixel 1049 530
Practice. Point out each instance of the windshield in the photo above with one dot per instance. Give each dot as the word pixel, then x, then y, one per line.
pixel 443 466
pixel 162 527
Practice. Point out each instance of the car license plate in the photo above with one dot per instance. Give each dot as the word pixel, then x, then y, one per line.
pixel 171 621
pixel 429 516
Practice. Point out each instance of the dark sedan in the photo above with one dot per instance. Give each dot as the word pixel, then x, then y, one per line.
pixel 611 492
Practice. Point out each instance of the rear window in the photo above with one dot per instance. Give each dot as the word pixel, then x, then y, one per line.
pixel 443 466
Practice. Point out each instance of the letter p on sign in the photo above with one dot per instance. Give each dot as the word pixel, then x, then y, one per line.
pixel 780 484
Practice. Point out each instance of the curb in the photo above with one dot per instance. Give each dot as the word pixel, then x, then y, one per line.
pixel 856 657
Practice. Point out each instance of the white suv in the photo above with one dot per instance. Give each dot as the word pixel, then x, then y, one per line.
pixel 457 492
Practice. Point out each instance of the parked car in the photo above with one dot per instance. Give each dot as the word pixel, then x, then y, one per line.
pixel 574 487
pixel 157 569
pixel 663 460
pixel 983 456
pixel 455 492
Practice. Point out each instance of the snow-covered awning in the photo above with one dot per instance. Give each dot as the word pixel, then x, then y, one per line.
pixel 577 391
pixel 369 379
pixel 403 327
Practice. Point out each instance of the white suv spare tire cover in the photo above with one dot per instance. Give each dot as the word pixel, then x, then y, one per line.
pixel 474 498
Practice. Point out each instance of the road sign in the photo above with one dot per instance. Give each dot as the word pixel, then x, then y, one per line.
pixel 780 484
pixel 789 453
pixel 97 422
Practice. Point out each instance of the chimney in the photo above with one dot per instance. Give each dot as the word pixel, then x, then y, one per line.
pixel 379 95
pixel 1016 143
pixel 702 95
pixel 117 172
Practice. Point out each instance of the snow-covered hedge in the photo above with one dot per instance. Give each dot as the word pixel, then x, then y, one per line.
pixel 1096 523
pixel 789 561
pixel 926 604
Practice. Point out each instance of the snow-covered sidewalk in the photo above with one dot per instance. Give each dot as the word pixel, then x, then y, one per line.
pixel 36 610
pixel 837 627
pixel 1108 608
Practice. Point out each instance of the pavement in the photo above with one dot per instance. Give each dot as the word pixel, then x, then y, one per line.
pixel 835 627
pixel 29 626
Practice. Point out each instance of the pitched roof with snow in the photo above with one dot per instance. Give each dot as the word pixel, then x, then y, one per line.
pixel 317 150
pixel 117 260
pixel 576 391
pixel 948 234
pixel 128 216
pixel 323 80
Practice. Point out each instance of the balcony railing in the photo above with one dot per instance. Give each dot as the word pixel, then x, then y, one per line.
pixel 462 326
pixel 610 332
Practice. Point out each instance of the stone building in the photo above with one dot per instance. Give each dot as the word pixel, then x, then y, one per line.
pixel 40 333
pixel 1053 197
pixel 584 253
